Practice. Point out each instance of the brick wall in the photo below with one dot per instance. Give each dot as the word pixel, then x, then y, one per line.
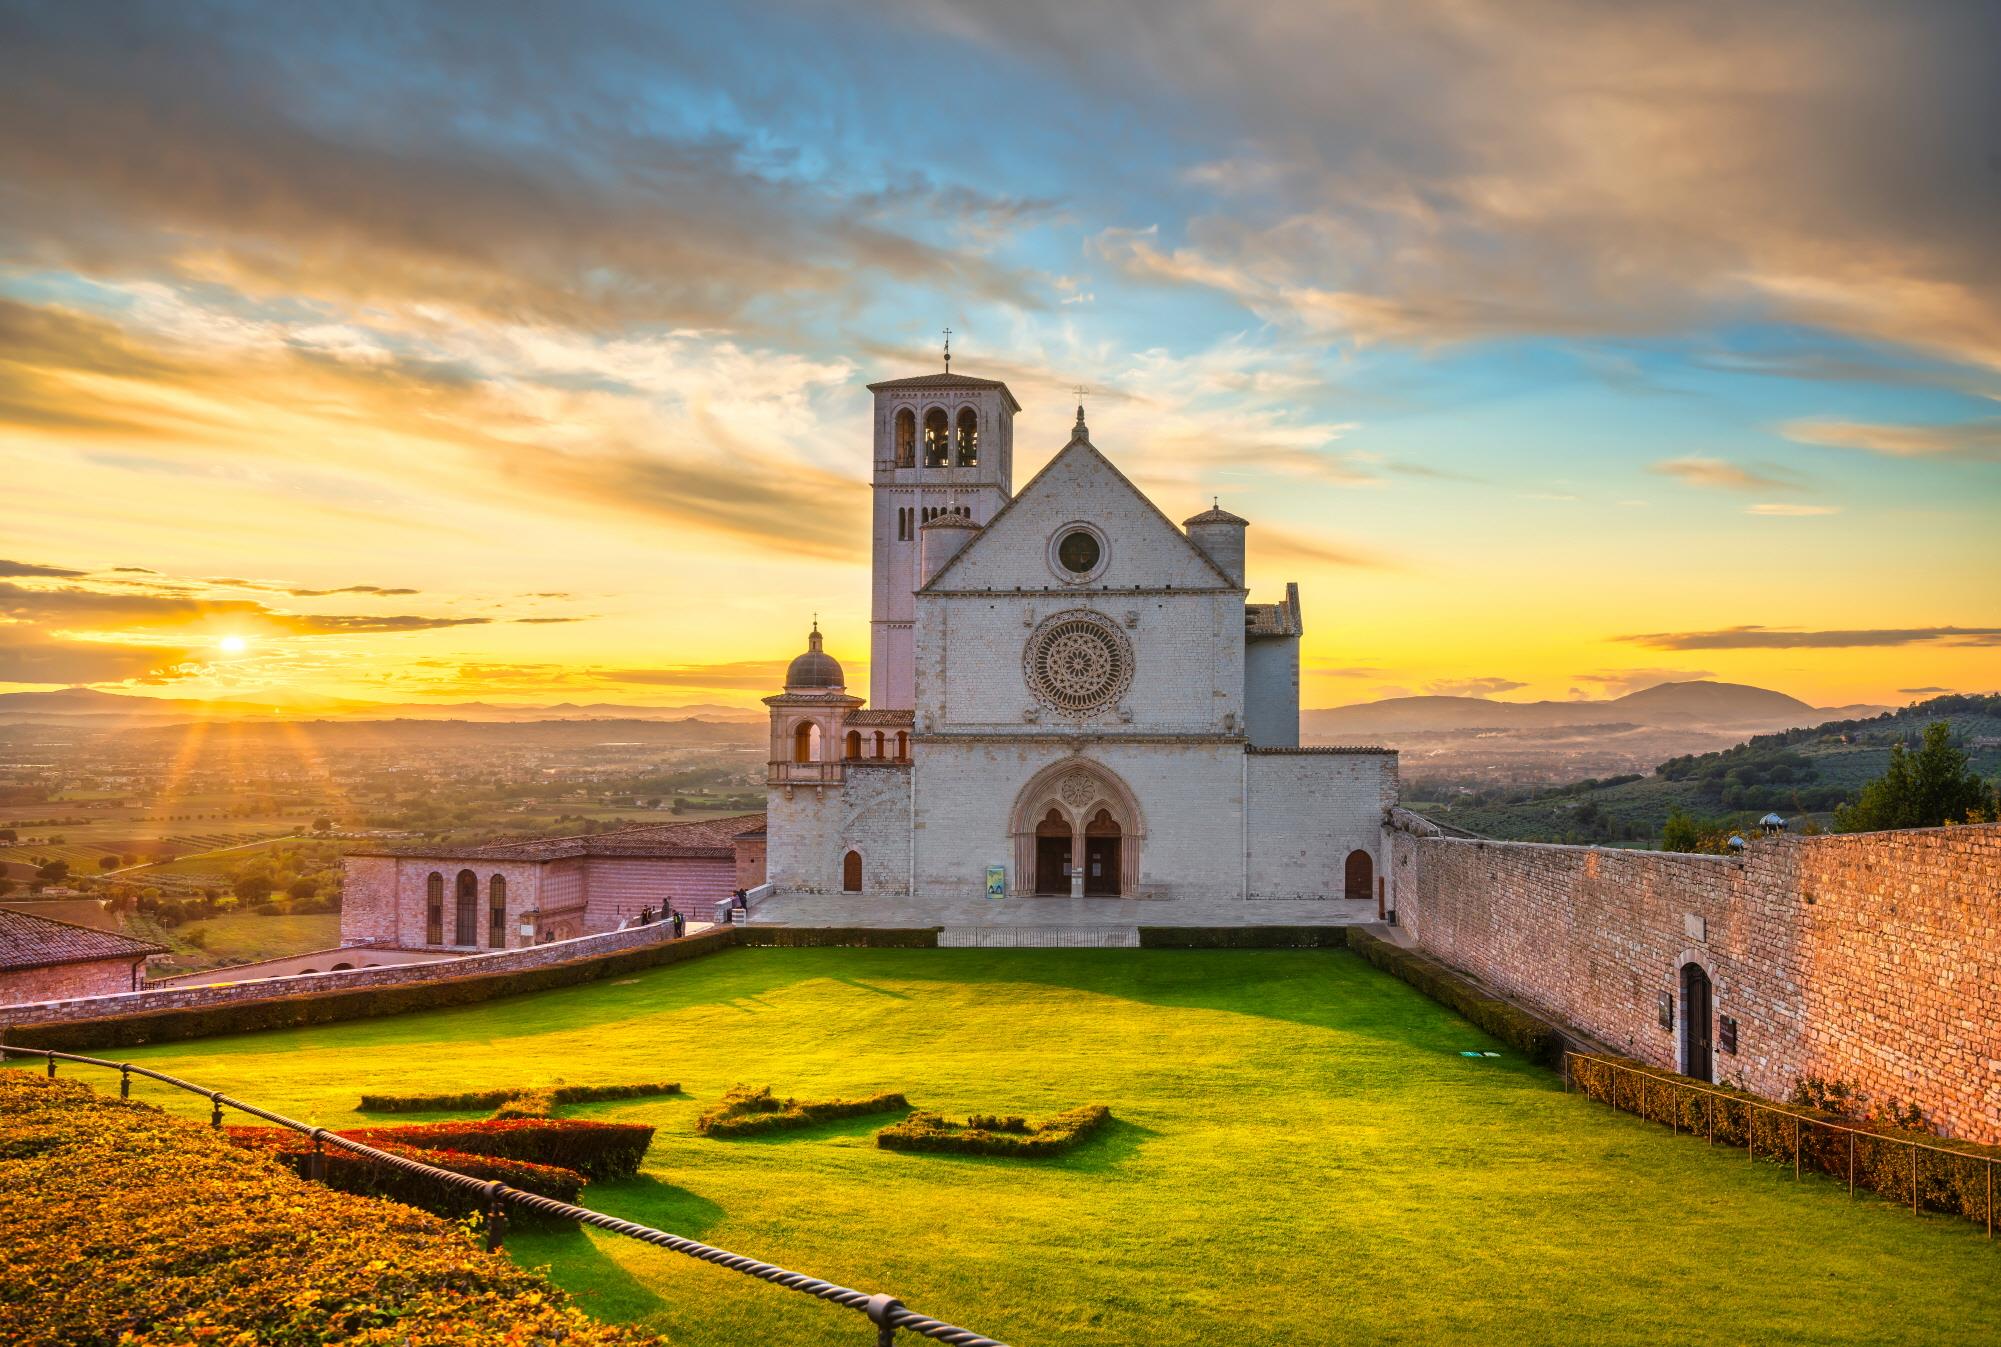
pixel 1873 958
pixel 183 998
pixel 96 977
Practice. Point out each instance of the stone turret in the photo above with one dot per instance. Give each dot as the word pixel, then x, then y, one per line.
pixel 1220 535
pixel 943 538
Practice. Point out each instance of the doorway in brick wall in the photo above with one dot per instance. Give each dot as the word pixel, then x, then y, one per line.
pixel 1696 1016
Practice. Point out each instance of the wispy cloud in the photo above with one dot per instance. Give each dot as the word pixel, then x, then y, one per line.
pixel 29 569
pixel 1696 470
pixel 1974 439
pixel 1779 638
pixel 1618 682
pixel 1473 687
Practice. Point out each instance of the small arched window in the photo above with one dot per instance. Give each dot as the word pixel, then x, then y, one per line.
pixel 496 912
pixel 906 438
pixel 806 742
pixel 902 745
pixel 434 909
pixel 969 438
pixel 937 438
pixel 851 872
pixel 465 926
pixel 878 743
pixel 854 744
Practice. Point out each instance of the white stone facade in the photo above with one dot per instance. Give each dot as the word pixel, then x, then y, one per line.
pixel 1072 690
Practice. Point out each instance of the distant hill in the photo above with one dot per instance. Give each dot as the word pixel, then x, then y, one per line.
pixel 71 703
pixel 1694 703
pixel 1799 772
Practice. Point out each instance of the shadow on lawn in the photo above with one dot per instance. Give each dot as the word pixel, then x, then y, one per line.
pixel 585 1267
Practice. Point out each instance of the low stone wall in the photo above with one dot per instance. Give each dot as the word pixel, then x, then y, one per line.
pixel 1871 958
pixel 309 984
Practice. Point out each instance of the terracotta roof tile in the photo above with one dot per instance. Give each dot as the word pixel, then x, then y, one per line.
pixel 712 837
pixel 28 941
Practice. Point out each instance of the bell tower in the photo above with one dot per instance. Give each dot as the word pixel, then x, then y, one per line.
pixel 943 443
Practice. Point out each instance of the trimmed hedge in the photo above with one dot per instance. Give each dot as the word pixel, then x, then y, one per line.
pixel 470 1100
pixel 986 1135
pixel 1954 1181
pixel 1242 937
pixel 127 1225
pixel 746 1112
pixel 329 1007
pixel 594 1149
pixel 353 1173
pixel 813 937
pixel 1536 1039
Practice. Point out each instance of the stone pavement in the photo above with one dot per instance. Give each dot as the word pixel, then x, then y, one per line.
pixel 1115 917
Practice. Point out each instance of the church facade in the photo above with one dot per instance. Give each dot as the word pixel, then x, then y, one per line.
pixel 1069 694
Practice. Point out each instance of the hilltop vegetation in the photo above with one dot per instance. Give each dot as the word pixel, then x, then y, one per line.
pixel 1803 774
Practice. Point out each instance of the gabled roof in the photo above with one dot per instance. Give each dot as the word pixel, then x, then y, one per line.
pixel 1080 442
pixel 926 383
pixel 28 941
pixel 711 838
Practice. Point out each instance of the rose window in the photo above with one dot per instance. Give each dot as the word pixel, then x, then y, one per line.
pixel 1078 662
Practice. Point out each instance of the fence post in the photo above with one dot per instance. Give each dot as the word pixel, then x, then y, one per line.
pixel 125 1081
pixel 1851 1163
pixel 1709 1116
pixel 879 1310
pixel 1914 1180
pixel 496 1215
pixel 1990 1199
pixel 52 1065
pixel 215 1110
pixel 1751 1133
pixel 316 1164
pixel 1796 1147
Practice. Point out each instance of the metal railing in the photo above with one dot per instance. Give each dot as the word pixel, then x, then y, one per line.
pixel 1640 1082
pixel 887 1313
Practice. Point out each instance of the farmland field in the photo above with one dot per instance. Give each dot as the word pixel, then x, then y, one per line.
pixel 1300 1154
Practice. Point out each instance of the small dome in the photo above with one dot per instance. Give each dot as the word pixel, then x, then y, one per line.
pixel 816 668
pixel 1215 516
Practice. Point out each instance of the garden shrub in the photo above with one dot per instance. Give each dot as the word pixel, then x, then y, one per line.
pixel 594 1149
pixel 353 1173
pixel 528 1104
pixel 745 1111
pixel 127 1225
pixel 869 937
pixel 1242 937
pixel 329 1007
pixel 986 1135
pixel 470 1100
pixel 1536 1039
pixel 1951 1179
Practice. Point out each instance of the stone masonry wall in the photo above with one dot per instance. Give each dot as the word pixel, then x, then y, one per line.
pixel 95 977
pixel 183 998
pixel 1872 958
pixel 1308 810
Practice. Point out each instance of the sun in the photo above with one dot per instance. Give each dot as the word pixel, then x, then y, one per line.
pixel 233 645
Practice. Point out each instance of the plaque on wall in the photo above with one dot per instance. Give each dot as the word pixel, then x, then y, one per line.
pixel 1726 1034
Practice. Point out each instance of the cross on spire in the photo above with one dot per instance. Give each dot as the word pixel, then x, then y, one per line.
pixel 948 350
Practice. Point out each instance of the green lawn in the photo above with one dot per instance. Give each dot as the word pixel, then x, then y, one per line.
pixel 1300 1156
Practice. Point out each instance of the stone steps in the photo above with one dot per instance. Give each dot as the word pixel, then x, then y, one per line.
pixel 1039 937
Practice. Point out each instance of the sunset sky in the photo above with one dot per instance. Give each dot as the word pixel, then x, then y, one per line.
pixel 517 352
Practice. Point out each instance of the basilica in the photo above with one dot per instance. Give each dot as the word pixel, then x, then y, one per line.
pixel 1068 694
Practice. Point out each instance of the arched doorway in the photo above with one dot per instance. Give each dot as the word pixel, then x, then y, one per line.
pixel 851 872
pixel 1052 853
pixel 1077 830
pixel 1696 1015
pixel 1102 836
pixel 1359 881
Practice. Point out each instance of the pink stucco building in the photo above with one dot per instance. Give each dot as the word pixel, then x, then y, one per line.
pixel 504 895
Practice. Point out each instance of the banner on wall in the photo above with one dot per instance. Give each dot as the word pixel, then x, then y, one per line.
pixel 996 881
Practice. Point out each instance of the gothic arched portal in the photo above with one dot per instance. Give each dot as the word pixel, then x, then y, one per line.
pixel 1077 829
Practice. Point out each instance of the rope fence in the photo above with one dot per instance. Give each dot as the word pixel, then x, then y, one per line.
pixel 1927 1176
pixel 886 1313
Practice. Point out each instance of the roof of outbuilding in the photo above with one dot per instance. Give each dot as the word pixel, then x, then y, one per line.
pixel 711 838
pixel 29 941
pixel 884 717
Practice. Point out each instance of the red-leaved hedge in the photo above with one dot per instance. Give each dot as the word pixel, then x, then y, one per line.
pixel 597 1150
pixel 353 1173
